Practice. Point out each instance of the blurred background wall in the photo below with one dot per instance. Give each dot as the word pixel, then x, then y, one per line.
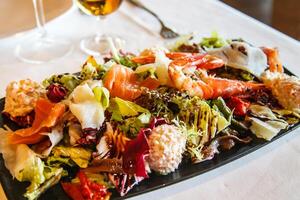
pixel 283 15
pixel 18 15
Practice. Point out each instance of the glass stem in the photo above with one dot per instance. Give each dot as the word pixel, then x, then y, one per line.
pixel 39 16
pixel 100 30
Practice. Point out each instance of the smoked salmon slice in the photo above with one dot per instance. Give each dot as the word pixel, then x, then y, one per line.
pixel 46 116
pixel 32 139
pixel 151 83
pixel 122 82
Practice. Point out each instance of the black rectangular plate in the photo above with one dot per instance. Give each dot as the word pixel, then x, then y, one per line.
pixel 14 190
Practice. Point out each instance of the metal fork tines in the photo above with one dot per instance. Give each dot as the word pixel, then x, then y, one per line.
pixel 165 31
pixel 168 33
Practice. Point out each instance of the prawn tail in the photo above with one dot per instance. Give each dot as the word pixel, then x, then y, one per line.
pixel 226 88
pixel 273 59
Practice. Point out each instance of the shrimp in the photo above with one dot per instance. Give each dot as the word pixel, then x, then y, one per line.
pixel 203 61
pixel 182 72
pixel 204 86
pixel 273 59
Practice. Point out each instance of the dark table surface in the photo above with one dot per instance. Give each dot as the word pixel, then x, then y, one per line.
pixel 283 15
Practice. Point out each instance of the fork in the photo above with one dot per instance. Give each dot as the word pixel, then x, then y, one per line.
pixel 165 31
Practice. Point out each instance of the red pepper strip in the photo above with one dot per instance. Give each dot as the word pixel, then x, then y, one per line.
pixel 240 107
pixel 91 190
pixel 73 190
pixel 86 189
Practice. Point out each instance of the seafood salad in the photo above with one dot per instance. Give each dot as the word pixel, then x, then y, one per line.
pixel 115 123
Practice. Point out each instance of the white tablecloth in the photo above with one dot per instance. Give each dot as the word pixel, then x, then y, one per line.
pixel 269 173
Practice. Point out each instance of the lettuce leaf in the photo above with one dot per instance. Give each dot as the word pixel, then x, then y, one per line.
pixel 57 161
pixel 84 105
pixel 266 129
pixel 131 126
pixel 126 108
pixel 201 122
pixel 69 81
pixel 91 69
pixel 52 175
pixel 126 61
pixel 214 41
pixel 25 165
pixel 102 96
pixel 79 155
pixel 182 40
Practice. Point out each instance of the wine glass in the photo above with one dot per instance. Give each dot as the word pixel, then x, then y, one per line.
pixel 99 43
pixel 41 47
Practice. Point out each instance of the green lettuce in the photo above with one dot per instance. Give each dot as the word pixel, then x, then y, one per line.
pixel 131 126
pixel 58 161
pixel 80 156
pixel 129 116
pixel 200 122
pixel 214 41
pixel 25 165
pixel 182 40
pixel 92 70
pixel 52 175
pixel 102 96
pixel 126 61
pixel 69 81
pixel 118 57
pixel 122 108
pixel 31 170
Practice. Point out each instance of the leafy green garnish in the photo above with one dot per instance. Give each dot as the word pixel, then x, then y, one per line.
pixel 228 114
pixel 131 126
pixel 214 41
pixel 182 40
pixel 233 73
pixel 69 81
pixel 120 58
pixel 159 102
pixel 200 122
pixel 80 156
pixel 32 172
pixel 25 165
pixel 52 175
pixel 247 76
pixel 126 61
pixel 92 70
pixel 129 116
pixel 102 96
pixel 58 161
pixel 122 108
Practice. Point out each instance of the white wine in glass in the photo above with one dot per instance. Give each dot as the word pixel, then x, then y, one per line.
pixel 97 44
pixel 41 47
